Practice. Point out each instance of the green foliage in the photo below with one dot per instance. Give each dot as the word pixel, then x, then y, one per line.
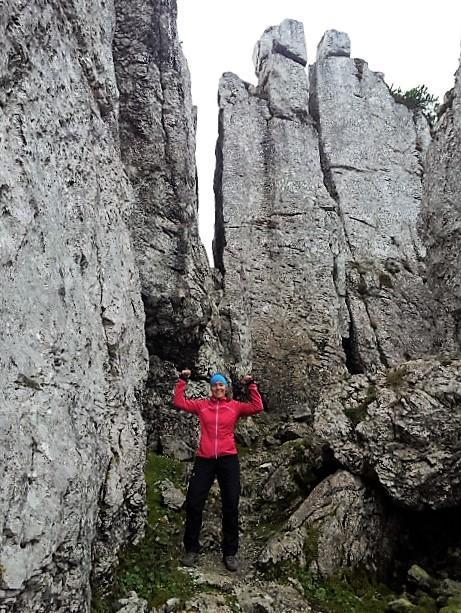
pixel 150 568
pixel 311 544
pixel 418 97
pixel 353 592
pixel 395 378
pixel 453 605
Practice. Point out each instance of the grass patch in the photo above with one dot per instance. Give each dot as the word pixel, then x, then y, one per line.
pixel 150 568
pixel 353 592
pixel 395 378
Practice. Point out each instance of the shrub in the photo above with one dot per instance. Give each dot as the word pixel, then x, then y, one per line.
pixel 420 98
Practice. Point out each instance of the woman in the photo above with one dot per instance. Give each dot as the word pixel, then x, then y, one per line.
pixel 216 457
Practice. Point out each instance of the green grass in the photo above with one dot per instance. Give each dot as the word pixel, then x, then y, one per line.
pixel 351 592
pixel 150 568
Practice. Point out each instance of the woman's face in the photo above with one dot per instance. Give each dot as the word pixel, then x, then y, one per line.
pixel 218 390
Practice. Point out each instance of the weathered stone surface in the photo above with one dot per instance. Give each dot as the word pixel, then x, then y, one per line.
pixel 370 153
pixel 277 235
pixel 400 605
pixel 72 357
pixel 286 547
pixel 132 604
pixel 279 58
pixel 441 225
pixel 341 525
pixel 334 44
pixel 207 603
pixel 172 497
pixel 420 578
pixel 405 432
pixel 157 137
pixel 280 597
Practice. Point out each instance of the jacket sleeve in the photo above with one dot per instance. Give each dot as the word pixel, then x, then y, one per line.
pixel 254 406
pixel 183 403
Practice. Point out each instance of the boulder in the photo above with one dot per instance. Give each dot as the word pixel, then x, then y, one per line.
pixel 407 436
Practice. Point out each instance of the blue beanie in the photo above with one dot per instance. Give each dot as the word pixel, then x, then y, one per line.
pixel 218 378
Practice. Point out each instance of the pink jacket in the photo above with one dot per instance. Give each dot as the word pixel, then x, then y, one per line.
pixel 217 419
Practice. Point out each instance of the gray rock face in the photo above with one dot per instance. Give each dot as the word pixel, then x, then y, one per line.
pixel 405 432
pixel 370 155
pixel 441 221
pixel 277 234
pixel 157 136
pixel 72 357
pixel 347 526
pixel 316 223
pixel 334 44
pixel 341 525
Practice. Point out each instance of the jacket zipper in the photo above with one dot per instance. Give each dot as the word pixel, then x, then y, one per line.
pixel 216 437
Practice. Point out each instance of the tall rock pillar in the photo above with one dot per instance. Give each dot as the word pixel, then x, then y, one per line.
pixel 371 157
pixel 72 353
pixel 277 234
pixel 442 222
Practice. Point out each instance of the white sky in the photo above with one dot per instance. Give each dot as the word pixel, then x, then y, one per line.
pixel 411 41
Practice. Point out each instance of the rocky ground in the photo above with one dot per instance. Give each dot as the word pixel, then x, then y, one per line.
pixel 293 532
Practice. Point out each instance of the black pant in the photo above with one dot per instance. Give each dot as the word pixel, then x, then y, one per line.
pixel 227 470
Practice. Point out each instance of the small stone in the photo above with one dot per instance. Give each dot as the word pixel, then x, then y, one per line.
pixel 448 588
pixel 419 577
pixel 132 604
pixel 302 412
pixel 271 441
pixel 172 497
pixel 172 604
pixel 401 605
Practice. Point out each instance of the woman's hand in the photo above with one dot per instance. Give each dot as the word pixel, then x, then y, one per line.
pixel 247 379
pixel 185 374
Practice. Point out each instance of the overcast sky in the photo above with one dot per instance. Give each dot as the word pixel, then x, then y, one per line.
pixel 410 41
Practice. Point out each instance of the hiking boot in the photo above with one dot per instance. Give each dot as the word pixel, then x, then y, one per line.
pixel 230 562
pixel 189 558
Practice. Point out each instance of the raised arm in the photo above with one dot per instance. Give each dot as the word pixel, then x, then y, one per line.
pixel 180 401
pixel 256 404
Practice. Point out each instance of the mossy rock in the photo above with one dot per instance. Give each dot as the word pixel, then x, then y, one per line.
pixel 453 605
pixel 400 605
pixel 419 577
pixel 351 592
pixel 150 568
pixel 359 413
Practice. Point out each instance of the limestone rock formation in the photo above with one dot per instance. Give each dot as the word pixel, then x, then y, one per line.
pixel 318 189
pixel 157 139
pixel 72 358
pixel 370 150
pixel 157 136
pixel 277 234
pixel 341 525
pixel 404 432
pixel 441 221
